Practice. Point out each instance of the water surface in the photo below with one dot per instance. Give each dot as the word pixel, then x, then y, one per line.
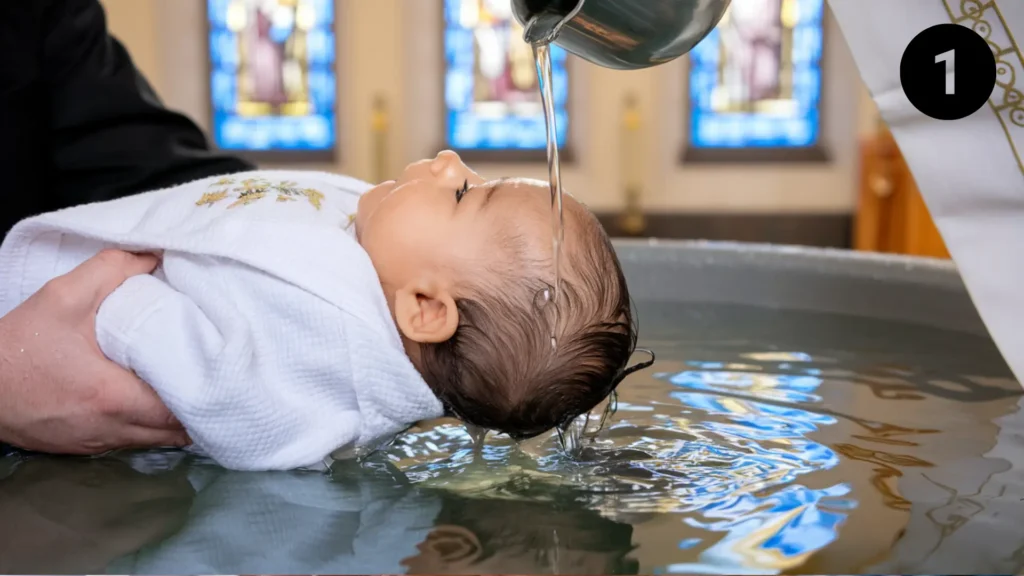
pixel 762 442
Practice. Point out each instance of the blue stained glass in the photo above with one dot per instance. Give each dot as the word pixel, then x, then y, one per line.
pixel 458 90
pixel 459 49
pixel 322 90
pixel 807 44
pixel 560 87
pixel 224 50
pixel 750 122
pixel 217 11
pixel 811 11
pixel 451 13
pixel 321 48
pixel 706 52
pixel 223 90
pixel 286 98
pixel 281 30
pixel 324 11
pixel 494 103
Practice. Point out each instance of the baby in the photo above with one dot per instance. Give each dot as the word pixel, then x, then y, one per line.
pixel 297 314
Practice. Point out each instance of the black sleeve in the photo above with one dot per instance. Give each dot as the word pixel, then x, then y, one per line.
pixel 110 135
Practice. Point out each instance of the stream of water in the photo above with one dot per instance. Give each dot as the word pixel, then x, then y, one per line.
pixel 542 53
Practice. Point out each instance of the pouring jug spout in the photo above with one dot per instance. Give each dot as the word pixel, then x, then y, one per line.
pixel 620 34
pixel 544 26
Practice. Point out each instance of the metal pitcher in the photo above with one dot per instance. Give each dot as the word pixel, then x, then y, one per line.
pixel 620 34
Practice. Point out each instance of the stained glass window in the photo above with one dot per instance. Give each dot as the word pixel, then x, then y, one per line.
pixel 491 94
pixel 755 81
pixel 272 81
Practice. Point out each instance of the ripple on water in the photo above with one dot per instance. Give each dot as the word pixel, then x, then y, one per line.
pixel 724 450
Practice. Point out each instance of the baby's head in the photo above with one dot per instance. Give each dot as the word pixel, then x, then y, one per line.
pixel 465 264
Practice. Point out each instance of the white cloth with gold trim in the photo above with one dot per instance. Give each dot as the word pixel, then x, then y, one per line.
pixel 265 329
pixel 970 171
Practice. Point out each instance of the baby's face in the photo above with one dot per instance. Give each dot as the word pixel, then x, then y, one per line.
pixel 431 233
pixel 438 220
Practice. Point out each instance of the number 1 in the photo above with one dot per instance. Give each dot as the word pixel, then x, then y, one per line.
pixel 949 57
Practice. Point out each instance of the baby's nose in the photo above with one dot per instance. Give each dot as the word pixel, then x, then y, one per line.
pixel 446 161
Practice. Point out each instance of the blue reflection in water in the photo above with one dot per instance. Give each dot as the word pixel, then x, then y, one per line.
pixel 778 530
pixel 688 543
pixel 779 387
pixel 721 445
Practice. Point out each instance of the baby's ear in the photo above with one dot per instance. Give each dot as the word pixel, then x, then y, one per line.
pixel 426 313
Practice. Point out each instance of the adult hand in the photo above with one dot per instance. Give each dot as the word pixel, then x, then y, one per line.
pixel 58 393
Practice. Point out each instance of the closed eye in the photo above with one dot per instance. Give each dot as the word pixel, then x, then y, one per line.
pixel 460 192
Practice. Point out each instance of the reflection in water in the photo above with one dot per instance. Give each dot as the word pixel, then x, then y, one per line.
pixel 272 523
pixel 767 442
pixel 726 454
pixel 556 534
pixel 60 516
pixel 887 471
pixel 726 465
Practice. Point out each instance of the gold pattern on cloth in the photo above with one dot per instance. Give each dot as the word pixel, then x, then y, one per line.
pixel 253 190
pixel 211 198
pixel 1007 101
pixel 247 197
pixel 315 197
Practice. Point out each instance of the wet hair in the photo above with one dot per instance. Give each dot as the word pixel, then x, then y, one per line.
pixel 499 371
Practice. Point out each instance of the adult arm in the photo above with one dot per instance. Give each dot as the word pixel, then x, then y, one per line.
pixel 58 393
pixel 110 134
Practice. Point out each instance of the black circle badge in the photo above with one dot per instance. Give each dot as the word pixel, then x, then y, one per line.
pixel 948 72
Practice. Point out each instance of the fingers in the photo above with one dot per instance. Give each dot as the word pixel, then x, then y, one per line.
pixel 147 421
pixel 100 275
pixel 137 403
pixel 142 407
